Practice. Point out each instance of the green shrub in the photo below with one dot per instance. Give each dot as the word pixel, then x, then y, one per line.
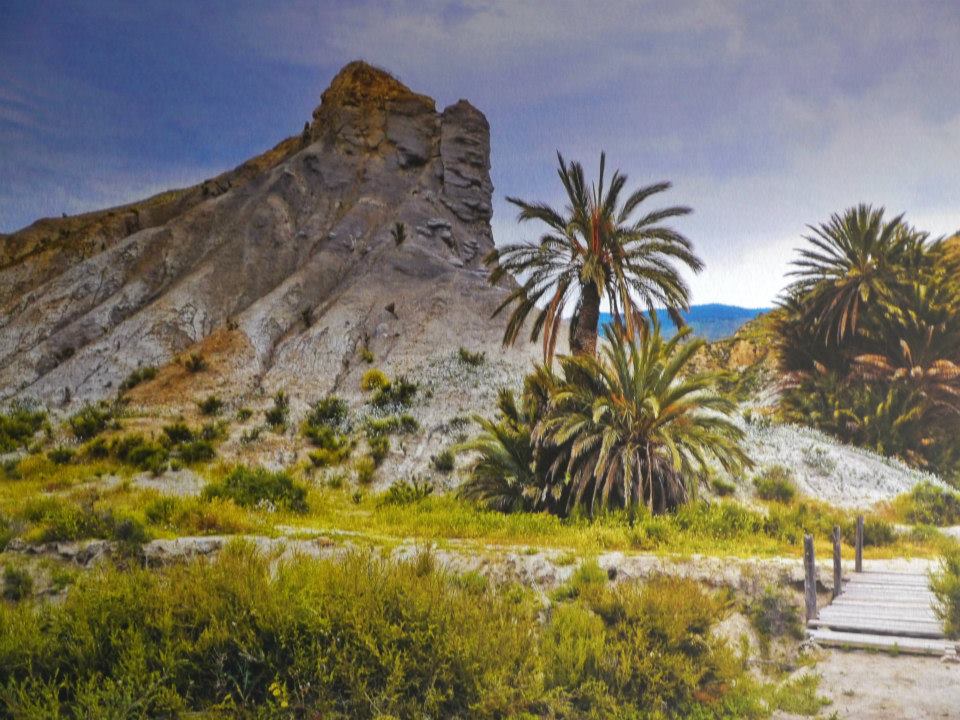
pixel 138 376
pixel 90 421
pixel 231 637
pixel 250 436
pixel 179 433
pixel 196 451
pixel 776 484
pixel 96 449
pixel 928 504
pixel 253 487
pixel 366 355
pixel 945 583
pixel 722 488
pixel 62 455
pixel 399 391
pixel 160 511
pixel 276 416
pixel 373 379
pixel 443 461
pixel 322 426
pixel 247 635
pixel 212 431
pixel 774 614
pixel 195 363
pixel 17 583
pixel 407 492
pixel 471 358
pixel 377 427
pixel 587 576
pixel 18 426
pixel 876 532
pixel 141 453
pixel 656 651
pixel 329 457
pixel 379 448
pixel 244 414
pixel 330 411
pixel 211 405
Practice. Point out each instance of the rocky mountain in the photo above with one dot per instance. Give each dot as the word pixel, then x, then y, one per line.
pixel 281 274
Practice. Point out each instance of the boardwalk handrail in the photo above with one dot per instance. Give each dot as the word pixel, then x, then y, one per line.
pixel 810 567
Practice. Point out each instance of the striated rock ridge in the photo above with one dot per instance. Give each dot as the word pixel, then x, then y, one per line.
pixel 279 271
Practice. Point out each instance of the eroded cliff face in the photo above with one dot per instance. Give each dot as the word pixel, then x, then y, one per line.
pixel 278 272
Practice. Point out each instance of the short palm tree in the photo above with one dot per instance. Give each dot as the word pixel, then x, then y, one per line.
pixel 507 474
pixel 503 474
pixel 590 252
pixel 856 260
pixel 636 428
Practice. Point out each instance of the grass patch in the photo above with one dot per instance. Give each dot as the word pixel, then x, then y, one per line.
pixel 474 359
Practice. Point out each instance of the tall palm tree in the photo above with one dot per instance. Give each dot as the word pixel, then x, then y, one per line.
pixel 592 251
pixel 637 428
pixel 921 345
pixel 857 259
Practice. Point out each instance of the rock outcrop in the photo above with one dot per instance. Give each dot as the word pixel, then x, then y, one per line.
pixel 279 273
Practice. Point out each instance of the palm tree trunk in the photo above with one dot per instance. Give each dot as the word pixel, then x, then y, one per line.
pixel 584 340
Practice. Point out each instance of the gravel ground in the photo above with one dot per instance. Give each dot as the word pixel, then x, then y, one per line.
pixel 875 686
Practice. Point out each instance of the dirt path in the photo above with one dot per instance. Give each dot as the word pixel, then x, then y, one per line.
pixel 873 686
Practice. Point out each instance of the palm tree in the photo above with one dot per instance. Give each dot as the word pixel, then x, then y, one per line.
pixel 857 259
pixel 503 475
pixel 590 252
pixel 635 427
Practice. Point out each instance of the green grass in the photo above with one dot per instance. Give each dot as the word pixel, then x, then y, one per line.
pixel 721 528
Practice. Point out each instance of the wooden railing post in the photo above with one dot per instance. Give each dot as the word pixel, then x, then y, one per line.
pixel 837 569
pixel 809 578
pixel 858 562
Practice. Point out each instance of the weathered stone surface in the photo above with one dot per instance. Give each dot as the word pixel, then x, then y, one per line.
pixel 235 266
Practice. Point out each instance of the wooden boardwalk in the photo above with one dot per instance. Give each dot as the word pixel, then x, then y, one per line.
pixel 882 611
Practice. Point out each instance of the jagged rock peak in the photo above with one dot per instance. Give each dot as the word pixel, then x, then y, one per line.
pixel 361 84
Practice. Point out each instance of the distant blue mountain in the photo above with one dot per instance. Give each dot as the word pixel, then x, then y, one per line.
pixel 712 321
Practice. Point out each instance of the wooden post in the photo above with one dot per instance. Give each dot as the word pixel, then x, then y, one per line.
pixel 809 578
pixel 858 562
pixel 837 569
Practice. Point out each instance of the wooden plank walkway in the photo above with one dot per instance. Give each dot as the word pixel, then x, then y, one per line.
pixel 882 611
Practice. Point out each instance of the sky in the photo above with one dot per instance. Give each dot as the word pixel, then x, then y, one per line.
pixel 766 116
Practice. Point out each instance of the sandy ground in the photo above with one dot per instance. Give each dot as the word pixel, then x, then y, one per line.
pixel 864 686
